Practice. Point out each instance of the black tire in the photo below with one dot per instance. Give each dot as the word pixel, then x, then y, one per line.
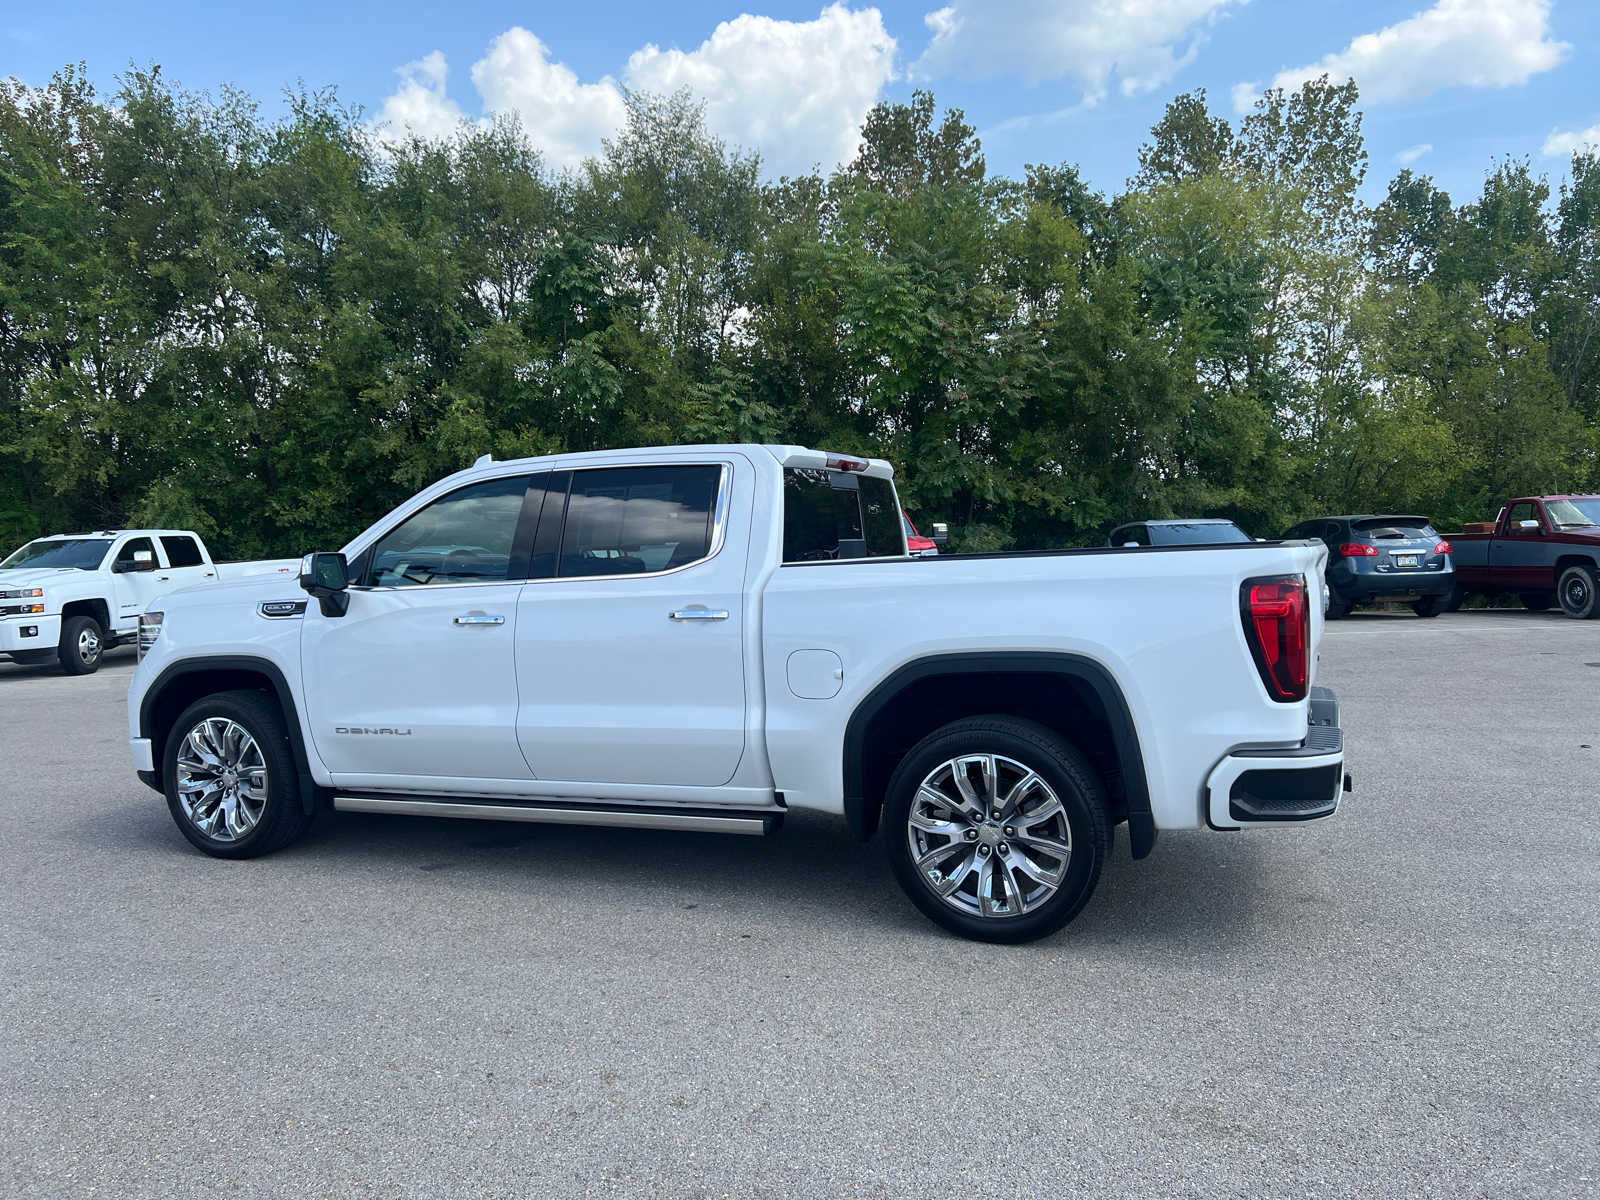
pixel 1338 608
pixel 1576 591
pixel 1534 603
pixel 1430 606
pixel 279 818
pixel 1083 808
pixel 81 646
pixel 1453 601
pixel 34 658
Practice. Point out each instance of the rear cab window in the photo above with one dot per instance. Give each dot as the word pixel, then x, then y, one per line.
pixel 839 515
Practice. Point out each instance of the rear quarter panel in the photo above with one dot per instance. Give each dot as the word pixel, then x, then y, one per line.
pixel 1164 622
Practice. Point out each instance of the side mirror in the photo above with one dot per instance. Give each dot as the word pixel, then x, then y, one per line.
pixel 941 535
pixel 326 576
pixel 143 560
pixel 1533 525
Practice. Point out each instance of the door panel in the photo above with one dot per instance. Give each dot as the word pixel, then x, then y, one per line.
pixel 1523 558
pixel 135 590
pixel 614 689
pixel 397 686
pixel 419 676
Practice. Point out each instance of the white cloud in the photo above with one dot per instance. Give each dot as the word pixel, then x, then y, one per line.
pixel 1559 145
pixel 565 119
pixel 1245 95
pixel 1406 157
pixel 1456 43
pixel 420 106
pixel 1051 39
pixel 796 90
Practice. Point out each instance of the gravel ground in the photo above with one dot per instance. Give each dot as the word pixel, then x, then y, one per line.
pixel 1399 1003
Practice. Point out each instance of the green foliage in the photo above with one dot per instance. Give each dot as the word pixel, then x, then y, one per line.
pixel 275 331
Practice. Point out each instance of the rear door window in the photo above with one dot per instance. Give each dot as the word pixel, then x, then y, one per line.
pixel 636 520
pixel 182 552
pixel 463 537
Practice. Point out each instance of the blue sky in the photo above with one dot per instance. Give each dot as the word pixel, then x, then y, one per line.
pixel 1449 86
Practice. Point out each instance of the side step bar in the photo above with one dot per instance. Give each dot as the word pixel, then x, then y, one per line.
pixel 696 820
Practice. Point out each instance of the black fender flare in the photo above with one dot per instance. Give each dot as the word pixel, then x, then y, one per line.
pixel 863 818
pixel 313 797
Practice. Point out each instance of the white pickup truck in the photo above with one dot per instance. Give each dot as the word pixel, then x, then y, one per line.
pixel 705 637
pixel 71 597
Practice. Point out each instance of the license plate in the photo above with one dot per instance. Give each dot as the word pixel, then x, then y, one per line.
pixel 1406 560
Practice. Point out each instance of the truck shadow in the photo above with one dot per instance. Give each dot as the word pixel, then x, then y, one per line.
pixel 1193 887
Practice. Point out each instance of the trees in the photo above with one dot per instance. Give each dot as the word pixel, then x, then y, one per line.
pixel 274 331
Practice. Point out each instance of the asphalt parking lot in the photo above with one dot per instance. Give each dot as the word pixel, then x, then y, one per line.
pixel 1399 1003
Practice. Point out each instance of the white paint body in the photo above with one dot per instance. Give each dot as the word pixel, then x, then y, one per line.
pixel 124 595
pixel 589 691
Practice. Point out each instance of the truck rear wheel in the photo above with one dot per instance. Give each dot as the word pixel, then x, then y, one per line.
pixel 82 643
pixel 997 828
pixel 1577 592
pixel 230 777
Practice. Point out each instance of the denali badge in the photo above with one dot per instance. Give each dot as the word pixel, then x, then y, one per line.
pixel 368 729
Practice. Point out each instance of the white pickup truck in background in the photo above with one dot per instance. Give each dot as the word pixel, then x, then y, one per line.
pixel 706 637
pixel 71 597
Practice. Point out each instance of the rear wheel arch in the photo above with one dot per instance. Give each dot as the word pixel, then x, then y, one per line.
pixel 1071 694
pixel 182 683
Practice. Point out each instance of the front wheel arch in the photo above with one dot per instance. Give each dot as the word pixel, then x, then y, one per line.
pixel 183 682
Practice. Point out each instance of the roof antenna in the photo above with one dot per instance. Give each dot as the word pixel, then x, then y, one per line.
pixel 484 460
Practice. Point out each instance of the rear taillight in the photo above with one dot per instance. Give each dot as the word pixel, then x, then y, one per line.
pixel 1443 548
pixel 1277 624
pixel 1358 550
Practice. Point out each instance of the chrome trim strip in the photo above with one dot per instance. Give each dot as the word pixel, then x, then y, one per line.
pixel 754 826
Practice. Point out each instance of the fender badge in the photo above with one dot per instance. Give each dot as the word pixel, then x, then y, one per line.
pixel 369 729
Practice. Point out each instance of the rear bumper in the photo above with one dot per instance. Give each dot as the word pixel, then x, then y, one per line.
pixel 14 633
pixel 1351 585
pixel 1291 785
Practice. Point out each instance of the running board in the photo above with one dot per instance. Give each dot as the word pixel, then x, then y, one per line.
pixel 696 820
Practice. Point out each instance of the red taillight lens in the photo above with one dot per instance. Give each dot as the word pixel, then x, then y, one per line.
pixel 1358 550
pixel 1443 548
pixel 1277 624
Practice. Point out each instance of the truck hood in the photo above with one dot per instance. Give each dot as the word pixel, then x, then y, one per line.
pixel 41 577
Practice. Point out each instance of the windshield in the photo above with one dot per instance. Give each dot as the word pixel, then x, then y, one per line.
pixel 1196 533
pixel 911 530
pixel 1570 513
pixel 82 553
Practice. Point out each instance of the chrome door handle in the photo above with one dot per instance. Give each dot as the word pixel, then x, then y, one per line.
pixel 699 614
pixel 479 619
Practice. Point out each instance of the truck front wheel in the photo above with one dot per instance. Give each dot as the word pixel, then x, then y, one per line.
pixel 1577 593
pixel 82 643
pixel 230 776
pixel 998 829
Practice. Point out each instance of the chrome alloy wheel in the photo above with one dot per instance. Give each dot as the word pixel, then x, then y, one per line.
pixel 222 779
pixel 989 836
pixel 88 646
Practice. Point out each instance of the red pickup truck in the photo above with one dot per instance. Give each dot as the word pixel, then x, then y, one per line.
pixel 1546 549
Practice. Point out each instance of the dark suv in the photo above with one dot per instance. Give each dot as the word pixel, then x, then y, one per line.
pixel 1378 557
pixel 1194 531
